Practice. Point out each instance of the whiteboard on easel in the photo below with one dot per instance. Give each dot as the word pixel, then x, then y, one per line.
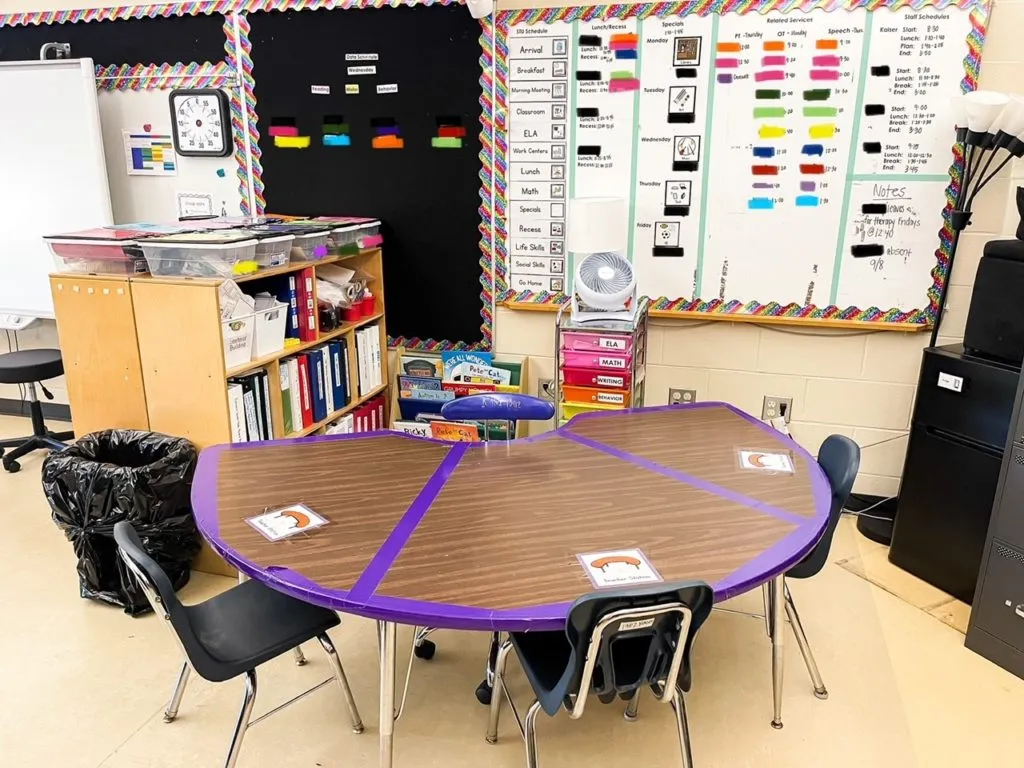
pixel 53 177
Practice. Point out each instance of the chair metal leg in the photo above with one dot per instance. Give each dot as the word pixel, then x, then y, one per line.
pixel 497 691
pixel 631 707
pixel 386 635
pixel 300 657
pixel 778 600
pixel 485 690
pixel 805 648
pixel 179 690
pixel 682 727
pixel 243 719
pixel 339 675
pixel 530 731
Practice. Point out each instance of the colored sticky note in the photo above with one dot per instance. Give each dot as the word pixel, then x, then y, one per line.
pixel 728 47
pixel 807 186
pixel 625 37
pixel 812 168
pixel 764 170
pixel 625 53
pixel 817 94
pixel 760 112
pixel 453 131
pixel 769 74
pixel 387 142
pixel 722 63
pixel 617 86
pixel 824 74
pixel 771 132
pixel 806 201
pixel 774 45
pixel 283 130
pixel 812 150
pixel 822 131
pixel 337 141
pixel 445 142
pixel 724 78
pixel 621 74
pixel 760 204
pixel 292 142
pixel 336 128
pixel 764 151
pixel 773 61
pixel 767 93
pixel 820 111
pixel 826 61
pixel 826 45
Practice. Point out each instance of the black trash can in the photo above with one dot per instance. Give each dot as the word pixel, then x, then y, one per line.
pixel 124 474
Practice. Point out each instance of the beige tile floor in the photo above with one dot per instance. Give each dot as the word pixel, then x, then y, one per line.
pixel 82 685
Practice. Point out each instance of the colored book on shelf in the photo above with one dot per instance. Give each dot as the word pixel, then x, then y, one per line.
pixel 380 405
pixel 293 390
pixel 413 365
pixel 440 395
pixel 307 305
pixel 325 355
pixel 411 407
pixel 236 409
pixel 346 376
pixel 286 398
pixel 409 383
pixel 515 374
pixel 338 383
pixel 305 391
pixel 460 389
pixel 252 427
pixel 417 428
pixel 378 379
pixel 452 362
pixel 455 431
pixel 293 307
pixel 316 380
pixel 263 397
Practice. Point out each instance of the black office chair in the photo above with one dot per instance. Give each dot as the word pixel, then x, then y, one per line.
pixel 509 408
pixel 839 459
pixel 28 367
pixel 233 633
pixel 615 643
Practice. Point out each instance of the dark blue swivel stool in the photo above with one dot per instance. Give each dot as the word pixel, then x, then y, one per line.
pixel 28 367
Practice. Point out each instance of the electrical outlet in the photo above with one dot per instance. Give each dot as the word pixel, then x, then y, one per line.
pixel 773 407
pixel 681 396
pixel 546 389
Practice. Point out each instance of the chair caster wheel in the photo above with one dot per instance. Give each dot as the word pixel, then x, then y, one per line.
pixel 777 725
pixel 483 693
pixel 11 465
pixel 425 650
pixel 822 694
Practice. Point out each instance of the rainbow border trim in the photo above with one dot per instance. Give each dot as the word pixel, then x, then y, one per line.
pixel 980 13
pixel 143 77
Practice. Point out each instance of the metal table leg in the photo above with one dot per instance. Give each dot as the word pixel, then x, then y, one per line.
pixel 777 602
pixel 387 638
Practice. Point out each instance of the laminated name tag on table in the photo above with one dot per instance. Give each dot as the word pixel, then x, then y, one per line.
pixel 280 523
pixel 769 462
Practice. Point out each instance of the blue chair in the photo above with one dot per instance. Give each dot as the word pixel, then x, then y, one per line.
pixel 487 407
pixel 615 643
pixel 839 459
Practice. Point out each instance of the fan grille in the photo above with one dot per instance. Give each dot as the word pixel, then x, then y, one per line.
pixel 594 274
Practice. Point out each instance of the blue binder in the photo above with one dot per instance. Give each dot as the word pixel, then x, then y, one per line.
pixel 337 375
pixel 316 374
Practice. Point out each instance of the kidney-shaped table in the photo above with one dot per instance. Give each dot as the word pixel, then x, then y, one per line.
pixel 485 536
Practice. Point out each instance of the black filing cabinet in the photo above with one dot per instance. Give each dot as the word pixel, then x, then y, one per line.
pixel 957 437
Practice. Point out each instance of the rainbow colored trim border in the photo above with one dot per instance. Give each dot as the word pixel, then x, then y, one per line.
pixel 235 74
pixel 980 12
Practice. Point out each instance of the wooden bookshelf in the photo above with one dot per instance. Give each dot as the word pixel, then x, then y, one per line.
pixel 161 365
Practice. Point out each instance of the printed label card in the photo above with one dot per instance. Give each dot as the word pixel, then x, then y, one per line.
pixel 766 462
pixel 618 568
pixel 283 522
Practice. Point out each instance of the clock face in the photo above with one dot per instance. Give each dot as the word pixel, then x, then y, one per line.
pixel 200 124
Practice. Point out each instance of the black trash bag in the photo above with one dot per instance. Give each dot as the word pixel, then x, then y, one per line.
pixel 124 474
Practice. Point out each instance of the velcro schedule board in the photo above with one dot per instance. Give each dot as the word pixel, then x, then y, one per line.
pixel 392 80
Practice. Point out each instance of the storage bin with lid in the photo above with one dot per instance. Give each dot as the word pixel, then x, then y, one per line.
pixel 590 377
pixel 602 360
pixel 619 397
pixel 101 251
pixel 619 343
pixel 273 249
pixel 201 254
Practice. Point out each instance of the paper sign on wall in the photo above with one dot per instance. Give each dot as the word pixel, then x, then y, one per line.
pixel 618 568
pixel 389 88
pixel 320 90
pixel 769 462
pixel 149 154
pixel 191 204
pixel 361 57
pixel 370 70
pixel 287 521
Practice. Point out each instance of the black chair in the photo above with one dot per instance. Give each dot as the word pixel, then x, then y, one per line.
pixel 28 367
pixel 233 633
pixel 839 459
pixel 616 642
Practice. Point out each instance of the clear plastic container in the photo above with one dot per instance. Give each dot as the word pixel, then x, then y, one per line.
pixel 313 245
pixel 201 254
pixel 273 250
pixel 101 251
pixel 344 240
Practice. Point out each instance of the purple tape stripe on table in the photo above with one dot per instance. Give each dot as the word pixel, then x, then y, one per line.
pixel 378 567
pixel 704 485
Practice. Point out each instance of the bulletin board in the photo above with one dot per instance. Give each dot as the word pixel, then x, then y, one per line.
pixel 391 79
pixel 782 160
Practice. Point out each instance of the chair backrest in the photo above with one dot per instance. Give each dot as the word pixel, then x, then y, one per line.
pixel 499 406
pixel 160 593
pixel 625 639
pixel 839 459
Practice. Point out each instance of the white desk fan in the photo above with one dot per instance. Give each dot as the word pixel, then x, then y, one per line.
pixel 604 284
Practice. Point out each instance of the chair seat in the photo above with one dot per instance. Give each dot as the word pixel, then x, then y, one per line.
pixel 30 365
pixel 251 624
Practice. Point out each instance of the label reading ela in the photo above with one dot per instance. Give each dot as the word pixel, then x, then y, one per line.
pixel 618 567
pixel 371 70
pixel 770 462
pixel 351 88
pixel 951 382
pixel 611 362
pixel 388 88
pixel 606 343
pixel 361 57
pixel 320 90
pixel 283 522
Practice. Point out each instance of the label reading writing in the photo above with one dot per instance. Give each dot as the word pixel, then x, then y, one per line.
pixel 611 381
